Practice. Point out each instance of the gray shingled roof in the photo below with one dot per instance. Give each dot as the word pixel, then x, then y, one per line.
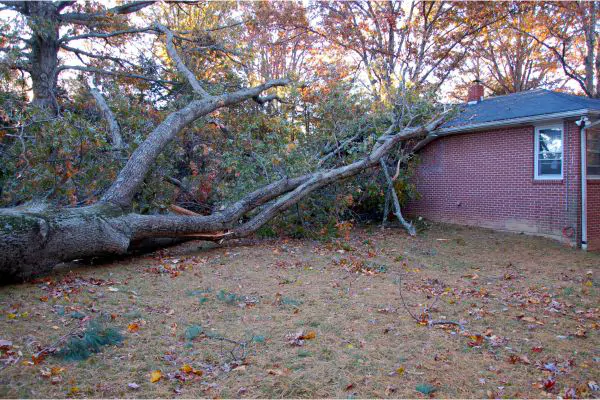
pixel 533 103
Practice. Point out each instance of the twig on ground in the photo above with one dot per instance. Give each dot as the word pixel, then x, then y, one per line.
pixel 425 316
pixel 242 347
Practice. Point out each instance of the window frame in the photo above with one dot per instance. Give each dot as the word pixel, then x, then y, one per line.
pixel 536 152
pixel 589 176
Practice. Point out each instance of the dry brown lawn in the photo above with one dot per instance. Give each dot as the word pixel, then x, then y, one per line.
pixel 528 306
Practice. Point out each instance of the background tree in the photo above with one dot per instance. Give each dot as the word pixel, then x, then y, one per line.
pixel 41 30
pixel 417 43
pixel 570 31
pixel 505 57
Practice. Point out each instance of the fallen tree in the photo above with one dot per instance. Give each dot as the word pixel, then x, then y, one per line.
pixel 34 239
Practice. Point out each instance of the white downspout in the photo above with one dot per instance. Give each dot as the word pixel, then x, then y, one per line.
pixel 582 123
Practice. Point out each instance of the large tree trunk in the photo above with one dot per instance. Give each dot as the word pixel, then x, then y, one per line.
pixel 44 52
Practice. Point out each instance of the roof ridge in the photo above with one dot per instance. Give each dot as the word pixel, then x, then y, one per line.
pixel 571 96
pixel 518 93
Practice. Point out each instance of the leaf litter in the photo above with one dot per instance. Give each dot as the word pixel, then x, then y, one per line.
pixel 528 320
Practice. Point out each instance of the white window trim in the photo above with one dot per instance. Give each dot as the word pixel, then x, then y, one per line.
pixel 536 150
pixel 589 176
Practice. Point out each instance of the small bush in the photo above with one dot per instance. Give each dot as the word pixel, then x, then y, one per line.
pixel 95 336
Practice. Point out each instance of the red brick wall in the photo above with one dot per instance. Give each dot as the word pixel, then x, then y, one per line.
pixel 486 179
pixel 593 214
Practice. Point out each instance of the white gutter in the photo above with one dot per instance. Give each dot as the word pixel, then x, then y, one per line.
pixel 584 127
pixel 516 121
pixel 583 183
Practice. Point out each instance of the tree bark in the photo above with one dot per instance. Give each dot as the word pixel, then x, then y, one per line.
pixel 43 21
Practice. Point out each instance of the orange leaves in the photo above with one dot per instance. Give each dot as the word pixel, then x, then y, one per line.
pixel 298 338
pixel 310 335
pixel 38 357
pixel 476 341
pixel 188 369
pixel 278 371
pixel 133 327
pixel 514 359
pixel 53 373
pixel 156 376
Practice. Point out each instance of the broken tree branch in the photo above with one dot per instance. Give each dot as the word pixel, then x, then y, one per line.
pixel 397 211
pixel 179 64
pixel 113 125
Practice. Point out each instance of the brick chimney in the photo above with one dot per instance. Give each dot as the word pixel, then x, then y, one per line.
pixel 475 92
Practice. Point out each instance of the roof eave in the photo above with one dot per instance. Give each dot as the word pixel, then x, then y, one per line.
pixel 517 121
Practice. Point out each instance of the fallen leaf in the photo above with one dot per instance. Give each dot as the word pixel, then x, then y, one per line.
pixel 74 390
pixel 38 358
pixel 155 376
pixel 477 340
pixel 44 298
pixel 549 384
pixel 133 327
pixel 581 332
pixel 5 344
pixel 277 371
pixel 514 358
pixel 529 319
pixel 310 335
pixel 400 371
pixel 537 349
pixel 187 368
pixel 56 370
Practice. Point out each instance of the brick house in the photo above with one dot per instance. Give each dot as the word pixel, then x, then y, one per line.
pixel 525 162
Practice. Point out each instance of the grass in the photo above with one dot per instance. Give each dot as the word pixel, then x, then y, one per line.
pixel 257 294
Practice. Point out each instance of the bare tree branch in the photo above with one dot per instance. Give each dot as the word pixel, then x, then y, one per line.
pixel 392 190
pixel 79 52
pixel 113 73
pixel 106 35
pixel 87 18
pixel 181 67
pixel 134 172
pixel 109 116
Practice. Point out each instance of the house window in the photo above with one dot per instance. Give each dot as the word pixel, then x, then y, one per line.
pixel 593 154
pixel 549 152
